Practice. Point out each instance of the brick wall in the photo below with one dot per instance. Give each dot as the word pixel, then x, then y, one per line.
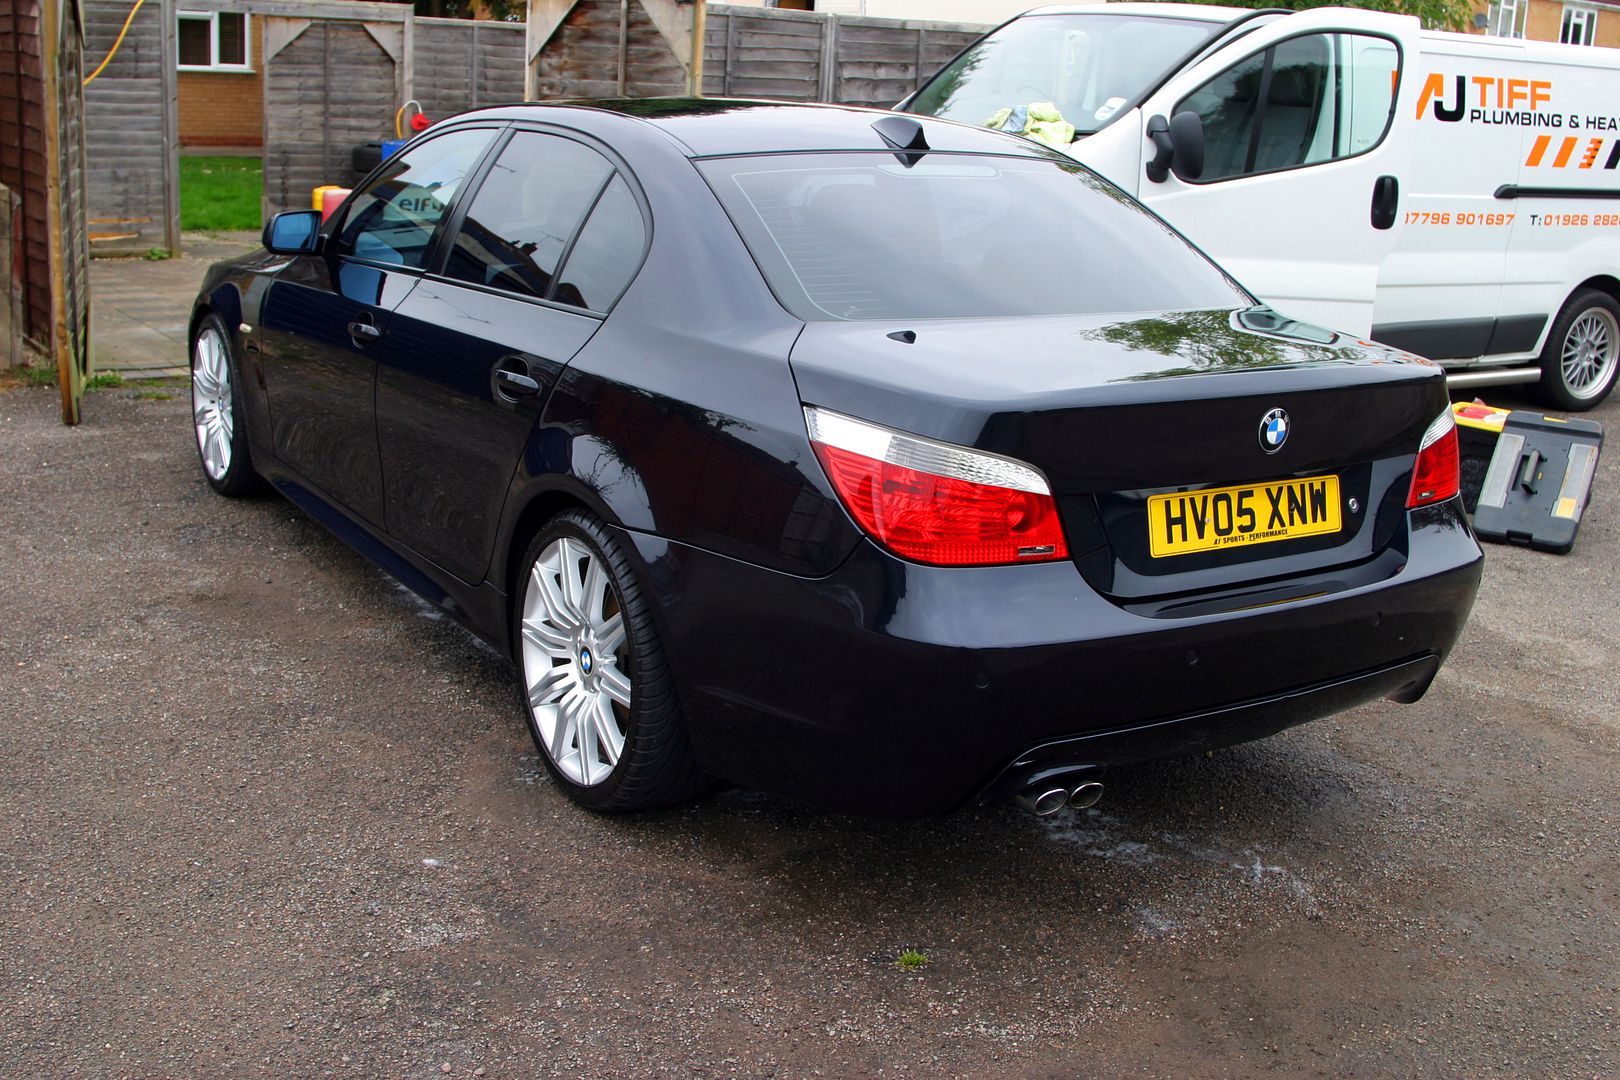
pixel 1546 21
pixel 1608 28
pixel 225 108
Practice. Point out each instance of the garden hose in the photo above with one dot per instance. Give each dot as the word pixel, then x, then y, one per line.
pixel 399 114
pixel 120 40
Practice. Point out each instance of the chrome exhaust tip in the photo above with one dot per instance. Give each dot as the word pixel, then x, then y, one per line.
pixel 1087 794
pixel 1042 801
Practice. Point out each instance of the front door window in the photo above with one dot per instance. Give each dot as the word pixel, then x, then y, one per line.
pixel 1310 99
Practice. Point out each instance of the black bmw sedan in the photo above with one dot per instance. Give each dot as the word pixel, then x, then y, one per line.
pixel 879 462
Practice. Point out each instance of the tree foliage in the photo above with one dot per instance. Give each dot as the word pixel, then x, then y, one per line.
pixel 500 10
pixel 1435 14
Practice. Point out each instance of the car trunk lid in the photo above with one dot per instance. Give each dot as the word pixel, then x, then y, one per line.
pixel 1156 422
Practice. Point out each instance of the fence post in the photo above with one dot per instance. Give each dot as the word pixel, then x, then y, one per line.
pixel 827 71
pixel 624 43
pixel 731 49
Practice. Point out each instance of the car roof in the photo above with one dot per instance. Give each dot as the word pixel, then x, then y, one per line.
pixel 713 127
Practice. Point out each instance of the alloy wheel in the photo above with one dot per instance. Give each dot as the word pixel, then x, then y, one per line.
pixel 211 402
pixel 1591 349
pixel 574 661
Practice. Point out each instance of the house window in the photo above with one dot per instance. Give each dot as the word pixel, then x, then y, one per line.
pixel 1580 25
pixel 1507 18
pixel 214 41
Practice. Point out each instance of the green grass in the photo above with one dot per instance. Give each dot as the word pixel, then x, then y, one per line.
pixel 220 193
pixel 105 380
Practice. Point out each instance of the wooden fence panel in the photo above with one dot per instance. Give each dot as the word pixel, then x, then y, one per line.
pixel 458 65
pixel 873 64
pixel 768 54
pixel 331 86
pixel 651 69
pixel 802 56
pixel 606 49
pixel 131 118
pixel 583 57
pixel 609 48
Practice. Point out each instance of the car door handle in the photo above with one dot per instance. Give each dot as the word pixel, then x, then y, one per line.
pixel 1386 197
pixel 515 384
pixel 363 332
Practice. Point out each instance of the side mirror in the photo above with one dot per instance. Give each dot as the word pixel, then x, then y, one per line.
pixel 1178 144
pixel 295 232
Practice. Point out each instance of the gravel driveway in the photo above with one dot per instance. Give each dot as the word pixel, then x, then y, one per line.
pixel 262 813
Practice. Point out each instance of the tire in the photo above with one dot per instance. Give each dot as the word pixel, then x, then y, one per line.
pixel 587 650
pixel 216 412
pixel 1582 354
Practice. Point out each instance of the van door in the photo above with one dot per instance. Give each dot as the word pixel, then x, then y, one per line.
pixel 1305 154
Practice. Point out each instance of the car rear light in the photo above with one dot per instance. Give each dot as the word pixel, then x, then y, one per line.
pixel 1436 476
pixel 935 503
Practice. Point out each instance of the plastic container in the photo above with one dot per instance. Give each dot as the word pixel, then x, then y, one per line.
pixel 318 194
pixel 331 198
pixel 390 147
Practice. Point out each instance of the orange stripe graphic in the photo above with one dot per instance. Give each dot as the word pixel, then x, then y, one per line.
pixel 1537 150
pixel 1592 149
pixel 1566 148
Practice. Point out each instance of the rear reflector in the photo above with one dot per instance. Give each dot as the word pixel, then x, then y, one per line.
pixel 1437 474
pixel 935 503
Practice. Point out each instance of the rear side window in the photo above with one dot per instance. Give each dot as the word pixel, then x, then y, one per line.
pixel 393 218
pixel 861 236
pixel 526 213
pixel 607 253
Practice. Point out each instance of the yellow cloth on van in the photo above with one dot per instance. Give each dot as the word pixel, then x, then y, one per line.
pixel 1042 122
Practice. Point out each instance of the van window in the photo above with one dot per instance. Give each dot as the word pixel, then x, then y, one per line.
pixel 1087 65
pixel 1306 100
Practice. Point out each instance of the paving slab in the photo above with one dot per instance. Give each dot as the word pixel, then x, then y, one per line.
pixel 140 308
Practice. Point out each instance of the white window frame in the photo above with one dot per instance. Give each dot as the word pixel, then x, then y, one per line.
pixel 1580 19
pixel 1507 18
pixel 212 19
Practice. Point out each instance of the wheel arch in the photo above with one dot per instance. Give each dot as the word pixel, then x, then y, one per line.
pixel 1603 283
pixel 539 508
pixel 223 300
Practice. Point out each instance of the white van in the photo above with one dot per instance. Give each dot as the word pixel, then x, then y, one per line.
pixel 1451 195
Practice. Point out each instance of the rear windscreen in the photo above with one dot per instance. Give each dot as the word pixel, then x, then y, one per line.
pixel 863 236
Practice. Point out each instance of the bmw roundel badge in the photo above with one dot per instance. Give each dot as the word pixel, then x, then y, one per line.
pixel 1273 431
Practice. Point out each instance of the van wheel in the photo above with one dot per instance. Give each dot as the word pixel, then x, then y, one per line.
pixel 1582 353
pixel 592 678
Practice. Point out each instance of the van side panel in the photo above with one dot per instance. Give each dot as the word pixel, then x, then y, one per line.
pixel 1478 272
pixel 1566 229
pixel 1439 290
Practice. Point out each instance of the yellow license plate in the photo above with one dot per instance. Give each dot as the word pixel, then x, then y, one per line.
pixel 1232 517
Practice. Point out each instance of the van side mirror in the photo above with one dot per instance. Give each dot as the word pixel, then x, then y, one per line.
pixel 1178 144
pixel 294 232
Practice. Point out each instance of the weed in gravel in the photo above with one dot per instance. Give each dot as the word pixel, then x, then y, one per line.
pixel 38 376
pixel 106 380
pixel 911 960
pixel 152 395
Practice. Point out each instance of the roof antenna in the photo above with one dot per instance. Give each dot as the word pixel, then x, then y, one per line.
pixel 903 133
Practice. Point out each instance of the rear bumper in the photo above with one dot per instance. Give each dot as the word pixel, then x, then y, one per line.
pixel 901 690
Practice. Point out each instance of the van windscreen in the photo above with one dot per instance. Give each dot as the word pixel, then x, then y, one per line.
pixel 1088 66
pixel 863 236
